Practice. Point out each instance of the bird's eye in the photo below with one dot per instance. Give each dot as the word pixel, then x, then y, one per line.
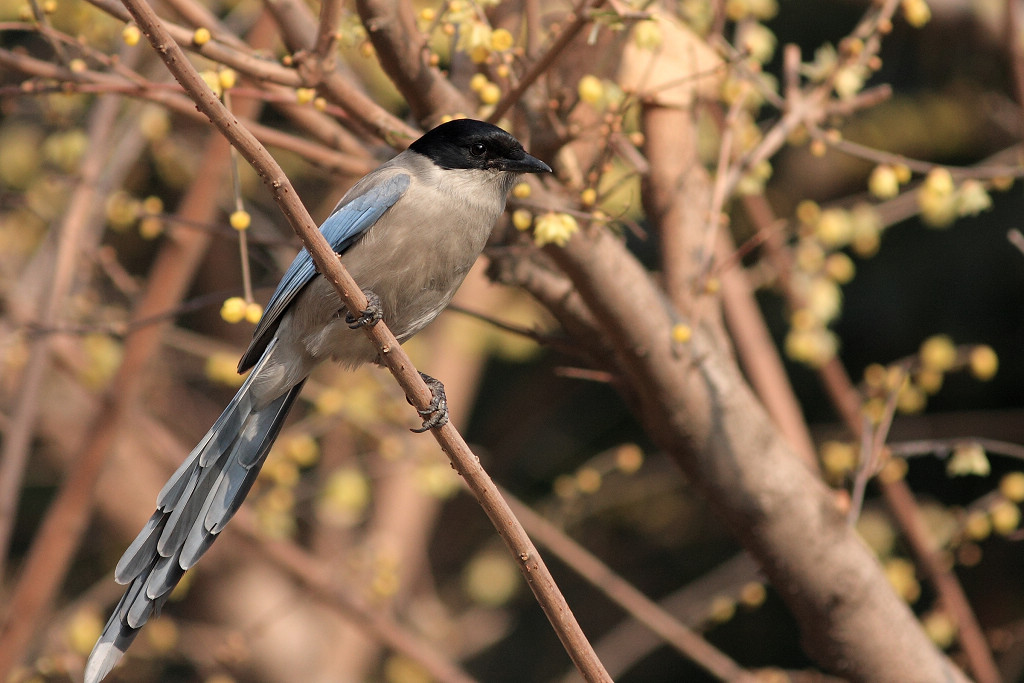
pixel 477 149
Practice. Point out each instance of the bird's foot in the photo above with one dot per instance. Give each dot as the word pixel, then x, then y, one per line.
pixel 371 315
pixel 436 414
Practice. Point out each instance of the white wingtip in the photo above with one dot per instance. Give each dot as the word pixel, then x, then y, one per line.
pixel 102 659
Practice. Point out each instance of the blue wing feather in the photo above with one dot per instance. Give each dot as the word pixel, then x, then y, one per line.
pixel 343 228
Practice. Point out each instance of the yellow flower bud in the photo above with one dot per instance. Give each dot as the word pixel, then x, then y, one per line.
pixel 233 309
pixel 984 362
pixel 501 40
pixel 1012 486
pixel 490 93
pixel 840 268
pixel 883 182
pixel 253 312
pixel 477 82
pixel 916 12
pixel 1005 516
pixel 228 78
pixel 240 220
pixel 938 353
pixel 590 89
pixel 131 34
pixel 522 219
pixel 681 333
pixel 201 36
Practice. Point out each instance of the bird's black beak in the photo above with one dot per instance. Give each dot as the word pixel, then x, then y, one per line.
pixel 526 164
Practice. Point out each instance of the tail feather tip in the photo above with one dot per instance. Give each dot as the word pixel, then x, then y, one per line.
pixel 103 658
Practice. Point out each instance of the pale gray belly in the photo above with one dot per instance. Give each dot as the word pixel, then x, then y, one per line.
pixel 415 274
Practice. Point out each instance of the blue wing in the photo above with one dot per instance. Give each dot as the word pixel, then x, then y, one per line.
pixel 343 228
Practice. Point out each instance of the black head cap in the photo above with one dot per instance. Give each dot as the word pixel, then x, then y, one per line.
pixel 467 143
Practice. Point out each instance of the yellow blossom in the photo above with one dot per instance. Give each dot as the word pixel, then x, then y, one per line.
pixel 840 268
pixel 491 578
pixel 1012 486
pixel 253 312
pixel 490 93
pixel 629 458
pixel 972 198
pixel 240 220
pixel 938 353
pixel 1005 516
pixel 131 34
pixel 302 449
pixel 968 459
pixel 590 89
pixel 522 219
pixel 345 497
pixel 554 228
pixel 233 309
pixel 681 333
pixel 916 12
pixel 883 182
pixel 228 78
pixel 477 82
pixel 983 362
pixel 201 36
pixel 501 40
pixel 212 81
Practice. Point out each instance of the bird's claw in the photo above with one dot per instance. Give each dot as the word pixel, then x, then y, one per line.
pixel 435 414
pixel 371 315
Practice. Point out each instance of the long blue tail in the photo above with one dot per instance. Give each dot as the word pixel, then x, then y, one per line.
pixel 192 508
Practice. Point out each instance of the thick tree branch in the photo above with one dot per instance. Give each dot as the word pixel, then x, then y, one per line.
pixel 696 406
pixel 402 50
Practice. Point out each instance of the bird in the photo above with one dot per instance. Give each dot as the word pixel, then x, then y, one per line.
pixel 408 232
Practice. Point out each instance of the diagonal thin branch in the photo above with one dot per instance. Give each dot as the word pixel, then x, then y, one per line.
pixel 626 596
pixel 391 353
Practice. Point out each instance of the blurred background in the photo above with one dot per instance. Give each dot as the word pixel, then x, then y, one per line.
pixel 378 511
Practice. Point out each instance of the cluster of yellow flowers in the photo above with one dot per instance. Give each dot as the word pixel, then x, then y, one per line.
pixel 936 357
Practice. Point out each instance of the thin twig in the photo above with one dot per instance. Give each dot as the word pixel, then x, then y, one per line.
pixel 580 18
pixel 626 596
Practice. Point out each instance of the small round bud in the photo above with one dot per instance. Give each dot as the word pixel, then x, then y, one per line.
pixel 227 78
pixel 681 333
pixel 501 40
pixel 590 89
pixel 477 82
pixel 984 362
pixel 522 219
pixel 131 34
pixel 233 309
pixel 201 36
pixel 490 93
pixel 883 182
pixel 253 312
pixel 240 220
